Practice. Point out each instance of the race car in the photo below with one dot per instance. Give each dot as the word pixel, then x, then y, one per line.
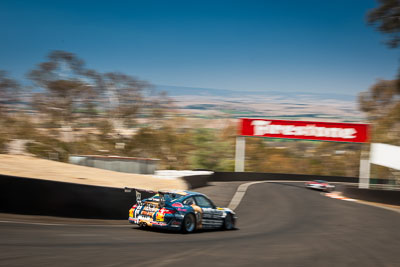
pixel 320 185
pixel 180 210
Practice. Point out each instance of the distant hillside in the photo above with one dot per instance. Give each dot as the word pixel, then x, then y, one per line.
pixel 194 91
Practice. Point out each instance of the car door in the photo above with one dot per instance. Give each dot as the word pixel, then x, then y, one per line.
pixel 211 216
pixel 197 210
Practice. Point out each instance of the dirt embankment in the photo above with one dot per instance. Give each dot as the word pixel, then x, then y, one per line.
pixel 25 166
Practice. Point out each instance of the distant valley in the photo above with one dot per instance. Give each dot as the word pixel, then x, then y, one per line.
pixel 217 103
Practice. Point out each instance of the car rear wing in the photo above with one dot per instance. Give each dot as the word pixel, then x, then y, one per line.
pixel 139 192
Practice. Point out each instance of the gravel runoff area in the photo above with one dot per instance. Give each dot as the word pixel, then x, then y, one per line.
pixel 31 167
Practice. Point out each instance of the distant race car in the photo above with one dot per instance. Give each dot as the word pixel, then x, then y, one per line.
pixel 180 210
pixel 320 185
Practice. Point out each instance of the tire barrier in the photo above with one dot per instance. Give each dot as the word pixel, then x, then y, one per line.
pixel 42 197
pixel 255 176
pixel 391 197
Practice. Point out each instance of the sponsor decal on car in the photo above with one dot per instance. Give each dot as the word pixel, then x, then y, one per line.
pixel 160 217
pixel 158 223
pixel 177 205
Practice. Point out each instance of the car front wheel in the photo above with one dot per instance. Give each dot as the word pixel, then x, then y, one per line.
pixel 229 222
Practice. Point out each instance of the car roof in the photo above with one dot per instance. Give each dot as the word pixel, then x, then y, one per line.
pixel 191 193
pixel 180 192
pixel 184 193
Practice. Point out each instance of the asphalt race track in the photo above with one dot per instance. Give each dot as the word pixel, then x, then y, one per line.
pixel 280 224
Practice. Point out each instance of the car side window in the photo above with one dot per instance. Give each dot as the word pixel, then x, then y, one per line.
pixel 203 202
pixel 189 201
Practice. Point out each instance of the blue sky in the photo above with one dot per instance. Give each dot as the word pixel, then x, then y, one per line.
pixel 309 46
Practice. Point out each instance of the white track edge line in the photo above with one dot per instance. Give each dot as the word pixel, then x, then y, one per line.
pixel 241 191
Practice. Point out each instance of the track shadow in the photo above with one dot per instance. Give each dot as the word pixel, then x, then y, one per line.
pixel 174 232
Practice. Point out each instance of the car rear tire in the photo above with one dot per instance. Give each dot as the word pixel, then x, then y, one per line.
pixel 229 222
pixel 189 224
pixel 142 226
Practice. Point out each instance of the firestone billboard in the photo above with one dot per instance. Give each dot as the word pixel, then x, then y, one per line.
pixel 308 130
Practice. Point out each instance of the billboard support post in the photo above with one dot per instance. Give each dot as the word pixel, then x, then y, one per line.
pixel 240 153
pixel 364 168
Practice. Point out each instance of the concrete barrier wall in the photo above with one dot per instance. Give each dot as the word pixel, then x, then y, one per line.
pixel 196 181
pixel 254 176
pixel 42 197
pixel 373 195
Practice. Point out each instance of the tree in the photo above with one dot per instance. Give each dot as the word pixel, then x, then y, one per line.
pixel 382 101
pixel 382 106
pixel 124 94
pixel 158 104
pixel 8 91
pixel 8 94
pixel 65 87
pixel 379 99
pixel 386 18
pixel 205 156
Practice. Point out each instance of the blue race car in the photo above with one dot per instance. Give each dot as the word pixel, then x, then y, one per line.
pixel 180 210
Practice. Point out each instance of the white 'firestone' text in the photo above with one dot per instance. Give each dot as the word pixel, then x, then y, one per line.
pixel 265 127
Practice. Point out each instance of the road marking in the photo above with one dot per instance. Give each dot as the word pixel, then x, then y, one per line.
pixel 338 195
pixel 20 222
pixel 238 196
pixel 241 191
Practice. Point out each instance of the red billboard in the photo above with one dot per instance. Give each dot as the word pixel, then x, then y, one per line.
pixel 308 130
